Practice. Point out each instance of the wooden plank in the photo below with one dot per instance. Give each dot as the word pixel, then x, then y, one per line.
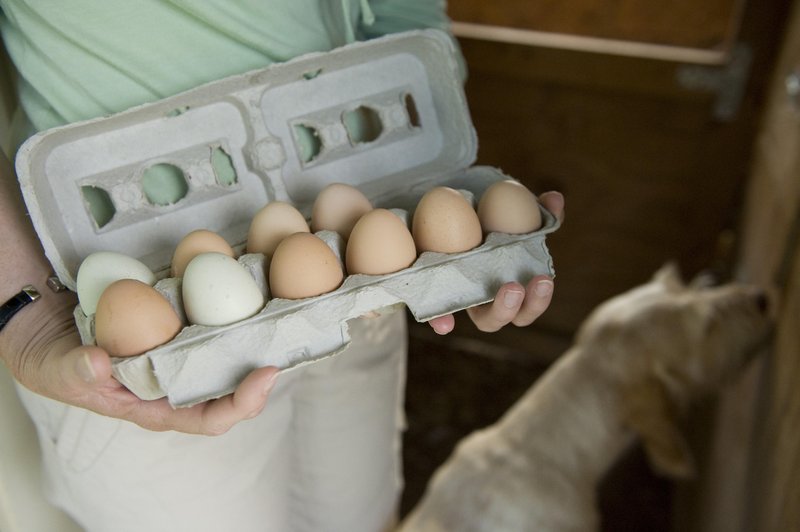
pixel 709 25
pixel 714 56
pixel 775 491
pixel 749 477
pixel 771 254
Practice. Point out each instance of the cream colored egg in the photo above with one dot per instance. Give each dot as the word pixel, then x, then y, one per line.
pixel 445 221
pixel 100 269
pixel 380 243
pixel 133 317
pixel 303 266
pixel 217 290
pixel 338 207
pixel 274 222
pixel 509 207
pixel 196 242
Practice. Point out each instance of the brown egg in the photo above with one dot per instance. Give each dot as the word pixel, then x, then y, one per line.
pixel 445 221
pixel 509 207
pixel 132 317
pixel 380 243
pixel 338 207
pixel 274 222
pixel 195 243
pixel 303 266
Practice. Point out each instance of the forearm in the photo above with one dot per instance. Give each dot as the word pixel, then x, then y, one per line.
pixel 22 262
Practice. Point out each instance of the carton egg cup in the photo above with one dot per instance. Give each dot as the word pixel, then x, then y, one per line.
pixel 388 116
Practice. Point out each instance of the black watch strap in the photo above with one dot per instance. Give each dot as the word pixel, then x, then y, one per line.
pixel 27 295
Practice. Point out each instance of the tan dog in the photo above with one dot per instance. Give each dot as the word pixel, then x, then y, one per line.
pixel 636 363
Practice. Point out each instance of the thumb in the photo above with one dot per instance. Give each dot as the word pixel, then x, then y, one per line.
pixel 79 370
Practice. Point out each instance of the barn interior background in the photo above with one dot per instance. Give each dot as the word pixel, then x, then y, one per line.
pixel 668 127
pixel 672 127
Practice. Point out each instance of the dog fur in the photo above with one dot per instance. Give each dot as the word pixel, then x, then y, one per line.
pixel 637 362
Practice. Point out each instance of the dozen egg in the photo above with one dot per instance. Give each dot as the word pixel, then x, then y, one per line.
pixel 132 317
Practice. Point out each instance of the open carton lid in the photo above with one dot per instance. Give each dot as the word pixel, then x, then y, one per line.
pixel 382 115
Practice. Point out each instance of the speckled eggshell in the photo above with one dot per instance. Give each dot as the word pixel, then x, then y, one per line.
pixel 380 243
pixel 303 266
pixel 446 222
pixel 133 317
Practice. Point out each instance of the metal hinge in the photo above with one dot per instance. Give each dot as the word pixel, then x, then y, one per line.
pixel 792 85
pixel 728 81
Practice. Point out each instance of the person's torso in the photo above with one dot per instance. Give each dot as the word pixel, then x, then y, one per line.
pixel 82 58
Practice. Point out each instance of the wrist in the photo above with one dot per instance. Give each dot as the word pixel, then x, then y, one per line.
pixel 27 295
pixel 50 313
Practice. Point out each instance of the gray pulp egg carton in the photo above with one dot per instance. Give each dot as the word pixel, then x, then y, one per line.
pixel 284 132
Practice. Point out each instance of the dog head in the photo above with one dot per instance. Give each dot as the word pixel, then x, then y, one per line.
pixel 667 343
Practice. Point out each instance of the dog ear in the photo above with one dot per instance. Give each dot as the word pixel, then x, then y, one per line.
pixel 650 413
pixel 669 276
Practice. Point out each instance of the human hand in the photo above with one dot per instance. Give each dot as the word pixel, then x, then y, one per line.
pixel 43 350
pixel 513 303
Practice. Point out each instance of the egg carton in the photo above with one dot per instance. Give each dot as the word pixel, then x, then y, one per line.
pixel 284 132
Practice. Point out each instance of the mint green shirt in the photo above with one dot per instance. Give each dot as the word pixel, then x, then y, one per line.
pixel 80 59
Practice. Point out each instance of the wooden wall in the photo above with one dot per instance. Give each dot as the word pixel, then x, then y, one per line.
pixel 650 173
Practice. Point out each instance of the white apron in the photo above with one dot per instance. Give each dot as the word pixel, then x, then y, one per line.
pixel 324 455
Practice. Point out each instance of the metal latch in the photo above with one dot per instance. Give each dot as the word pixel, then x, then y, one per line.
pixel 728 81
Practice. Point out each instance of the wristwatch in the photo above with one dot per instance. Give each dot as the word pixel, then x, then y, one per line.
pixel 28 294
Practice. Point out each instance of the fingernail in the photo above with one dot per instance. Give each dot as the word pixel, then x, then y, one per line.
pixel 513 298
pixel 442 329
pixel 84 368
pixel 269 384
pixel 543 288
pixel 553 193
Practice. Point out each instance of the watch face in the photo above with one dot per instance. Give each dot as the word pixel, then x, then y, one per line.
pixel 27 295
